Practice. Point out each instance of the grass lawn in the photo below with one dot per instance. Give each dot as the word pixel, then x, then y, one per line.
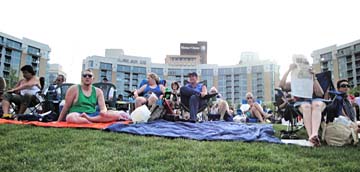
pixel 29 148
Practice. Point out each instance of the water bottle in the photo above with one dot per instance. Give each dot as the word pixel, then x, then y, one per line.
pixel 167 93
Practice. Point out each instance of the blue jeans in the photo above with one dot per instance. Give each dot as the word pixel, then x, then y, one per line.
pixel 191 99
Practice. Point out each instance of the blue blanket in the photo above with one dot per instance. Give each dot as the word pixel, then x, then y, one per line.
pixel 212 130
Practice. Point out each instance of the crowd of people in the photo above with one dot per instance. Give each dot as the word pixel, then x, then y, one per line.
pixel 85 103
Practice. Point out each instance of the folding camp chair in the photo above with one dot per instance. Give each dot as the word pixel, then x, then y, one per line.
pixel 202 112
pixel 289 112
pixel 109 91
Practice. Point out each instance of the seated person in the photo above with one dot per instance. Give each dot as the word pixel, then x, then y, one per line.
pixel 23 93
pixel 175 100
pixel 220 109
pixel 54 91
pixel 311 109
pixel 152 91
pixel 81 101
pixel 255 110
pixel 344 106
pixel 111 91
pixel 193 95
pixel 120 98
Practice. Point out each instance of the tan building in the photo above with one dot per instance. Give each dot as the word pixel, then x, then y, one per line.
pixel 15 53
pixel 343 61
pixel 195 49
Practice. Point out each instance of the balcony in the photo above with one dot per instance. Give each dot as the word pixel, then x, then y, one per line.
pixel 8 53
pixel 7 68
pixel 8 61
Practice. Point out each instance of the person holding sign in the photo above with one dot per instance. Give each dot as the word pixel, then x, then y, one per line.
pixel 308 96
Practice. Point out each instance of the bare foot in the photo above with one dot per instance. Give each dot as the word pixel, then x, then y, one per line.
pixel 186 115
pixel 84 115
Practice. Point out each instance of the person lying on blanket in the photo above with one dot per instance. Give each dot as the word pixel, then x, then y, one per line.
pixel 81 100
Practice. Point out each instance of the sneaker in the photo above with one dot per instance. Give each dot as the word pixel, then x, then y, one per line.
pixel 7 116
pixel 209 95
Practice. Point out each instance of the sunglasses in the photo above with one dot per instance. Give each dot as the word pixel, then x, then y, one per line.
pixel 87 75
pixel 345 85
pixel 248 98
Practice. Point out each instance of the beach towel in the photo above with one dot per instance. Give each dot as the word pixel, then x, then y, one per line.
pixel 99 126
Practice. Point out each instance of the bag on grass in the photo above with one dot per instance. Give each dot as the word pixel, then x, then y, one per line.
pixel 341 133
pixel 157 112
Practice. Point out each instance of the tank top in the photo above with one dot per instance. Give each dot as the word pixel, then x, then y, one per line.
pixel 84 103
pixel 32 90
pixel 156 90
pixel 198 87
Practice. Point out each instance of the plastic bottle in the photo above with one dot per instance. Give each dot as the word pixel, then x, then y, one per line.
pixel 167 93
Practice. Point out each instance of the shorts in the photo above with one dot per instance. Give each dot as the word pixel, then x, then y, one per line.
pixel 248 114
pixel 301 101
pixel 91 114
pixel 25 100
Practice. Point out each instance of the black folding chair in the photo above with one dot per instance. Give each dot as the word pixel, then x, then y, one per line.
pixel 110 98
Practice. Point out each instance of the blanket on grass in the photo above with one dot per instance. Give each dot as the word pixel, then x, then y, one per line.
pixel 99 126
pixel 211 130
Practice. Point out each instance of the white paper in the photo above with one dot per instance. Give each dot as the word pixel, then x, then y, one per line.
pixel 301 79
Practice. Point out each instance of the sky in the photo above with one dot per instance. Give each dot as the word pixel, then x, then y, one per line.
pixel 275 29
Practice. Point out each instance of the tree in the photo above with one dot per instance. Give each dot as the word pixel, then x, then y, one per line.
pixel 12 79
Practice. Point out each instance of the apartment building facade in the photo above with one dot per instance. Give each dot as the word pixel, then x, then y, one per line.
pixel 15 52
pixel 343 61
pixel 233 82
pixel 54 71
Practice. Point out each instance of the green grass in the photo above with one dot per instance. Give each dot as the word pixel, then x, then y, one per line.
pixel 28 148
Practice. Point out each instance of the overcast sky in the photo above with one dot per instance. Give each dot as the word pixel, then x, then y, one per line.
pixel 276 29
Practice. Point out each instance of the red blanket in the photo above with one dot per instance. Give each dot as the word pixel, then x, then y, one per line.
pixel 62 124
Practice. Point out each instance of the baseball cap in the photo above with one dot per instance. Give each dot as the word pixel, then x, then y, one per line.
pixel 192 74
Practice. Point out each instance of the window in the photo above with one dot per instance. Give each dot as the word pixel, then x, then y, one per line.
pixel 158 71
pixel 357 47
pixel 344 51
pixel 142 61
pixel 107 66
pixel 139 69
pixel 224 71
pixel 187 71
pixel 174 72
pixel 257 69
pixel 326 57
pixel 91 64
pixel 13 44
pixel 240 70
pixel 123 68
pixel 207 72
pixel 34 51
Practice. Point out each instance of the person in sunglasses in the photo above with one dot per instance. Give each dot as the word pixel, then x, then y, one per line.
pixel 255 110
pixel 81 101
pixel 53 91
pixel 347 109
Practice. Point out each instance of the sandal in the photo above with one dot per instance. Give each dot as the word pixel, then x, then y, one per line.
pixel 315 141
